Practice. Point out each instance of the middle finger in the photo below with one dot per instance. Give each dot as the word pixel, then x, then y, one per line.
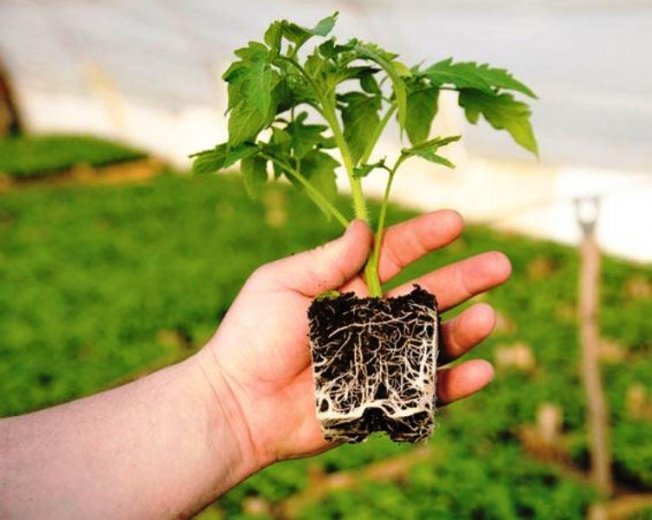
pixel 460 281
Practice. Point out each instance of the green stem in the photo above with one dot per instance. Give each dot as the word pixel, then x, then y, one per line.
pixel 374 259
pixel 371 274
pixel 310 188
pixel 328 112
pixel 371 144
pixel 359 206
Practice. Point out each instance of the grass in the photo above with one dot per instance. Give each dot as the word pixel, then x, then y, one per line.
pixel 44 155
pixel 100 284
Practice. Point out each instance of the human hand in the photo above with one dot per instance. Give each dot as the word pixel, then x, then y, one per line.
pixel 260 354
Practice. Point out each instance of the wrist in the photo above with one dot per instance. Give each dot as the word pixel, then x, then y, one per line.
pixel 229 430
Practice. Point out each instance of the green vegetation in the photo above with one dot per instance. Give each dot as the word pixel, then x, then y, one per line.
pixel 101 284
pixel 38 156
pixel 355 88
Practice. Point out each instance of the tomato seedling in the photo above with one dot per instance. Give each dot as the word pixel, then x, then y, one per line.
pixel 304 114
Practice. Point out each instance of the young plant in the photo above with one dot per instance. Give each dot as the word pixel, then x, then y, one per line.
pixel 304 114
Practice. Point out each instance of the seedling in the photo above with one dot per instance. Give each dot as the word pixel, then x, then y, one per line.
pixel 305 114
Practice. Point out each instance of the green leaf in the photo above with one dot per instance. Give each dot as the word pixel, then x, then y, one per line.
pixel 358 73
pixel 325 25
pixel 365 169
pixel 254 174
pixel 209 161
pixel 251 82
pixel 253 52
pixel 502 112
pixel 328 49
pixel 319 168
pixel 245 122
pixel 315 65
pixel 395 70
pixel 291 90
pixel 236 153
pixel 331 50
pixel 220 157
pixel 434 143
pixel 435 158
pixel 428 150
pixel 360 117
pixel 369 84
pixel 304 138
pixel 299 35
pixel 471 75
pixel 273 36
pixel 421 110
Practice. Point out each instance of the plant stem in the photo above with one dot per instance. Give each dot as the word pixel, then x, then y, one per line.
pixel 371 144
pixel 359 207
pixel 372 277
pixel 310 188
pixel 374 259
pixel 328 112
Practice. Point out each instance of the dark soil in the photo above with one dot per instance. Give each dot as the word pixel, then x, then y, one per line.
pixel 374 365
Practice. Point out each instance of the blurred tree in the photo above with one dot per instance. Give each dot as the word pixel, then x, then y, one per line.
pixel 10 122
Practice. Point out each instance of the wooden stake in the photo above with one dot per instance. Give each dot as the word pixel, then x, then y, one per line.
pixel 598 412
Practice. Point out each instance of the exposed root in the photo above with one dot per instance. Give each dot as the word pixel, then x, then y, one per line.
pixel 374 365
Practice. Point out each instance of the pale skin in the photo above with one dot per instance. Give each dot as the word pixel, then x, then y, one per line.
pixel 170 443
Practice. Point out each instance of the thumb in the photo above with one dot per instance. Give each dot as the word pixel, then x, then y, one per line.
pixel 326 267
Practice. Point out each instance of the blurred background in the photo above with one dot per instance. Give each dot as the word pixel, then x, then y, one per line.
pixel 114 263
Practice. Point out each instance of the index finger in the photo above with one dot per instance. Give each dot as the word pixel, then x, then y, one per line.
pixel 408 241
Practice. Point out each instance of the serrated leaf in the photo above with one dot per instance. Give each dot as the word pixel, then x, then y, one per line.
pixel 331 50
pixel 315 65
pixel 299 35
pixel 237 153
pixel 292 89
pixel 254 174
pixel 421 110
pixel 327 49
pixel 220 157
pixel 471 75
pixel 254 51
pixel 502 112
pixel 273 35
pixel 319 168
pixel 304 138
pixel 251 100
pixel 428 150
pixel 251 87
pixel 244 123
pixel 359 115
pixel 434 158
pixel 365 169
pixel 434 143
pixel 278 146
pixel 378 53
pixel 209 161
pixel 395 71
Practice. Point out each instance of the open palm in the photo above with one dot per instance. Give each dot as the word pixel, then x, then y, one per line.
pixel 261 349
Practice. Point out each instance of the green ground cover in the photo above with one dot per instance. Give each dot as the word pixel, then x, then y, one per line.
pixel 100 284
pixel 43 155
